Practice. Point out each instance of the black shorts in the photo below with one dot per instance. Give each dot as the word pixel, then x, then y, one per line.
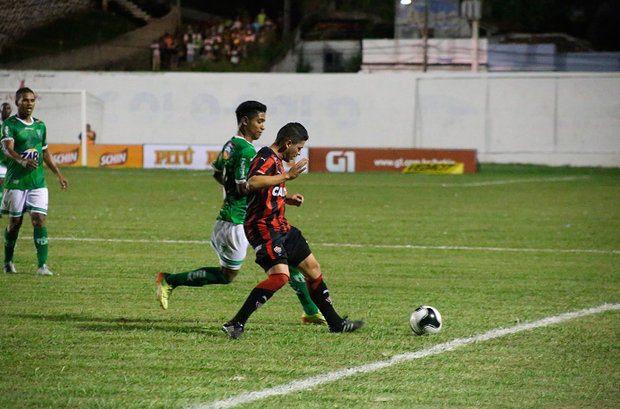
pixel 289 248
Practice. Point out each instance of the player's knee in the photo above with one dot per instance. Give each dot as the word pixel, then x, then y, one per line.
pixel 230 274
pixel 38 219
pixel 312 268
pixel 14 224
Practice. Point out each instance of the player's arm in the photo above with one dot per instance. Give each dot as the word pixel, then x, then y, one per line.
pixel 8 146
pixel 257 182
pixel 49 161
pixel 218 169
pixel 243 188
pixel 219 176
pixel 294 200
pixel 241 173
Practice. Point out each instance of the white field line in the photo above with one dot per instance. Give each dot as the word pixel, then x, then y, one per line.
pixel 352 245
pixel 511 181
pixel 471 248
pixel 309 383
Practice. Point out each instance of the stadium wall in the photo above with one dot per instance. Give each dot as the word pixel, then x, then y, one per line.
pixel 543 118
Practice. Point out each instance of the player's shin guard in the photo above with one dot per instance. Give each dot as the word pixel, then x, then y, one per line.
pixel 10 239
pixel 40 242
pixel 260 295
pixel 198 278
pixel 320 295
pixel 298 283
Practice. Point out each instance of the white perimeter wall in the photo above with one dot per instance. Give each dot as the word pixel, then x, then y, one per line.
pixel 553 119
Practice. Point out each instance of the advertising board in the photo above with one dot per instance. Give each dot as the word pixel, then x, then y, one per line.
pixel 105 156
pixel 387 160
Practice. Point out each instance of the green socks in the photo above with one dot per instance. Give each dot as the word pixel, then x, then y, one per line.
pixel 213 275
pixel 9 246
pixel 40 242
pixel 298 283
pixel 198 278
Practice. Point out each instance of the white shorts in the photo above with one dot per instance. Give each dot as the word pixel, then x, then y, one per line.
pixel 230 244
pixel 15 202
pixel 2 171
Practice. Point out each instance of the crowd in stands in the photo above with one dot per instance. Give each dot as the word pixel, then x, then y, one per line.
pixel 211 40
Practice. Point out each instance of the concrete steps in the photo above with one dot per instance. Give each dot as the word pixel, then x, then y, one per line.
pixel 133 9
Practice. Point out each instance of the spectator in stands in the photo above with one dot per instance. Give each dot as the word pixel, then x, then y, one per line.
pixel 155 55
pixel 214 40
pixel 190 53
pixel 261 17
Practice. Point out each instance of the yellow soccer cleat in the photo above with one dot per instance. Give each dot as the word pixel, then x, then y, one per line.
pixel 163 290
pixel 317 319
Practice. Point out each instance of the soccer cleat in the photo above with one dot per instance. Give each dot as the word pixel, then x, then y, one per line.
pixel 44 271
pixel 317 319
pixel 348 326
pixel 9 268
pixel 163 290
pixel 233 329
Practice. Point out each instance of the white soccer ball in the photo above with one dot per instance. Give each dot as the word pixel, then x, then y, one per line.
pixel 425 319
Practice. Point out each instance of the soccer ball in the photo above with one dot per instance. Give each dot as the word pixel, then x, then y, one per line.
pixel 425 319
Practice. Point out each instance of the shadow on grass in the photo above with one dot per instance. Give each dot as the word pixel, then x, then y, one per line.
pixel 209 327
pixel 114 324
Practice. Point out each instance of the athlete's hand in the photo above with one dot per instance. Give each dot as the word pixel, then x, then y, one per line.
pixel 30 164
pixel 64 183
pixel 297 169
pixel 295 200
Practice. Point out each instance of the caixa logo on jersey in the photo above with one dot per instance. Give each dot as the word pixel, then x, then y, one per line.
pixel 340 161
pixel 30 154
pixel 279 191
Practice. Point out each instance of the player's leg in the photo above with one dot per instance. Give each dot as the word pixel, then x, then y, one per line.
pixel 13 202
pixel 272 257
pixel 277 278
pixel 40 242
pixel 304 260
pixel 10 240
pixel 311 315
pixel 229 242
pixel 36 204
pixel 297 249
pixel 320 295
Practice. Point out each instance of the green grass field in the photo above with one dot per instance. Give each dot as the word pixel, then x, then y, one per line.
pixel 509 245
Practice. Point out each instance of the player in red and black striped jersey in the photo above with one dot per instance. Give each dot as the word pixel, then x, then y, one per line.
pixel 265 211
pixel 277 244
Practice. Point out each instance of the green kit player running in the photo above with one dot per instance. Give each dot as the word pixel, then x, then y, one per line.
pixel 24 142
pixel 228 238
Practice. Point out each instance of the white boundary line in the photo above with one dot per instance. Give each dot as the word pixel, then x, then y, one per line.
pixel 314 381
pixel 511 181
pixel 377 246
pixel 508 249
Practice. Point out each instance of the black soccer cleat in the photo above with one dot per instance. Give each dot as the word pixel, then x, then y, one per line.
pixel 348 326
pixel 233 329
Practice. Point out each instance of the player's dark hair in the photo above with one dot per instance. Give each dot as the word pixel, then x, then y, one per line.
pixel 293 131
pixel 249 109
pixel 20 93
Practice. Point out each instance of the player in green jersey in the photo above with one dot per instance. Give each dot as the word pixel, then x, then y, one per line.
pixel 5 112
pixel 228 238
pixel 24 142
